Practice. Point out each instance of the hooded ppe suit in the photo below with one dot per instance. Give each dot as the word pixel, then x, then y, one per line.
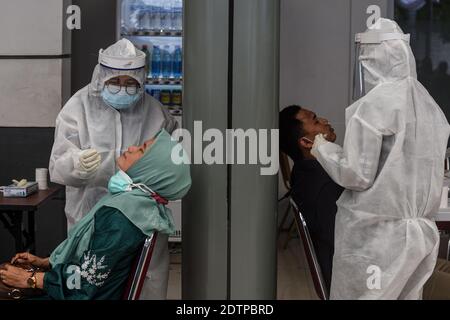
pixel 87 122
pixel 391 165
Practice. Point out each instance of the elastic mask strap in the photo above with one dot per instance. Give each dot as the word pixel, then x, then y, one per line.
pixel 143 188
pixel 309 140
pixel 151 193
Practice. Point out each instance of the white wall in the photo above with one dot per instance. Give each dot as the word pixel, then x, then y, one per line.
pixel 34 27
pixel 316 55
pixel 31 92
pixel 33 88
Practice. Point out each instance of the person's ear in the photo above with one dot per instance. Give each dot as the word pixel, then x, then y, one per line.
pixel 305 143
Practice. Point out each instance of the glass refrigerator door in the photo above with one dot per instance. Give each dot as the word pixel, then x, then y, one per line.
pixel 155 27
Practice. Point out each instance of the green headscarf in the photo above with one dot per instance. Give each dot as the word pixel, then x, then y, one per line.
pixel 157 171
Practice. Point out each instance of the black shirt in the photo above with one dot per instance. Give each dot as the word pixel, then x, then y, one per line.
pixel 316 194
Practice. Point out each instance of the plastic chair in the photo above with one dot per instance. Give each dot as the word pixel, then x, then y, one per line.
pixel 313 263
pixel 448 251
pixel 139 270
pixel 286 174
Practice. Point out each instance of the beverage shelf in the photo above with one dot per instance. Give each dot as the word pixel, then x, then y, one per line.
pixel 164 81
pixel 153 33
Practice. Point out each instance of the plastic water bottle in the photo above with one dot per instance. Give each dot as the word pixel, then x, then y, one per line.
pixel 156 62
pixel 148 61
pixel 135 15
pixel 177 65
pixel 166 62
pixel 155 15
pixel 177 15
pixel 146 18
pixel 166 9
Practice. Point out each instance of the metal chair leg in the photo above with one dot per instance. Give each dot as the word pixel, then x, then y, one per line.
pixel 448 251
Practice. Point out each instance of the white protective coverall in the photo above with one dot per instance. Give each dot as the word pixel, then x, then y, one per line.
pixel 391 165
pixel 87 122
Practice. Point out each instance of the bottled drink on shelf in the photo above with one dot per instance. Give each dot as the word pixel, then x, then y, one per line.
pixel 135 15
pixel 146 18
pixel 155 15
pixel 177 15
pixel 148 61
pixel 176 98
pixel 156 62
pixel 166 9
pixel 156 93
pixel 166 62
pixel 165 97
pixel 177 67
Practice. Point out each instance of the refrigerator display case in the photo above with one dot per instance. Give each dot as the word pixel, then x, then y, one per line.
pixel 156 27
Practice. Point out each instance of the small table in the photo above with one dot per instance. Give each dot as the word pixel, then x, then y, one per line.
pixel 11 215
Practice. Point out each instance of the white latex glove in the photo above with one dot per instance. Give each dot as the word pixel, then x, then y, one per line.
pixel 318 141
pixel 20 183
pixel 89 161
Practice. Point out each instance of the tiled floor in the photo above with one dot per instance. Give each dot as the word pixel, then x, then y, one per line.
pixel 174 289
pixel 294 280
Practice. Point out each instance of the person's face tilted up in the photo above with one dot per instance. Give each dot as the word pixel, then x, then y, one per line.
pixel 133 154
pixel 301 130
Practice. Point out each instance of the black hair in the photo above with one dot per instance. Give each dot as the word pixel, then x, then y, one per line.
pixel 291 130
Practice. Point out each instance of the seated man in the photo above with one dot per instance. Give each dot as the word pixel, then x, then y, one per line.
pixel 102 246
pixel 316 194
pixel 312 189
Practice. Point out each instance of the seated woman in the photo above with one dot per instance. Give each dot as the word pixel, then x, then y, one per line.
pixel 94 262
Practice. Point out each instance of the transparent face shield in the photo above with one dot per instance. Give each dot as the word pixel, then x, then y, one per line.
pixel 102 74
pixel 359 89
pixel 369 38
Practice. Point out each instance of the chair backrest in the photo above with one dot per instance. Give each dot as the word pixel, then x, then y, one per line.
pixel 285 169
pixel 448 250
pixel 314 267
pixel 139 270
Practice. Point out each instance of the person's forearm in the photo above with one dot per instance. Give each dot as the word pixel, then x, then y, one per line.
pixel 45 264
pixel 40 280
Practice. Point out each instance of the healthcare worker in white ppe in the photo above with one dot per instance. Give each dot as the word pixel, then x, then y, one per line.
pixel 95 127
pixel 392 166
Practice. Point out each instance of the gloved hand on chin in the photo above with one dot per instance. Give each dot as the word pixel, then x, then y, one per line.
pixel 319 140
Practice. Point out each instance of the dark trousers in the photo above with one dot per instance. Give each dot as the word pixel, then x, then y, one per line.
pixel 324 252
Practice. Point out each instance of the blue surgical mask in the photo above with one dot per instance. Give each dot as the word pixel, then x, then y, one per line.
pixel 120 100
pixel 120 182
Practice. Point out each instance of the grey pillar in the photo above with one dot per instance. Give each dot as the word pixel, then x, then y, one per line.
pixel 229 216
pixel 253 217
pixel 205 209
